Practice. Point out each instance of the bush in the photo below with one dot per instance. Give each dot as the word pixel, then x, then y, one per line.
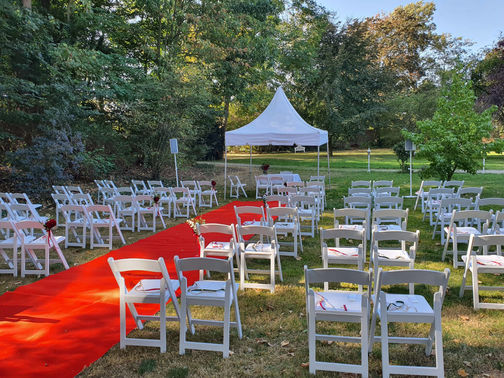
pixel 402 155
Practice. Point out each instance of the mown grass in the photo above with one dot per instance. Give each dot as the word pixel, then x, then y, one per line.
pixel 274 325
pixel 357 159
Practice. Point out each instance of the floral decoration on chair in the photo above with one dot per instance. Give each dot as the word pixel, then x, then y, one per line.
pixel 48 225
pixel 193 223
pixel 265 168
pixel 214 184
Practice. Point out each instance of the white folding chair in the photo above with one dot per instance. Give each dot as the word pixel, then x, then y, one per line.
pixel 147 290
pixel 489 262
pixel 402 255
pixel 22 198
pixel 425 186
pixel 360 192
pixel 108 195
pixel 76 219
pixel 60 189
pixel 182 202
pixel 382 184
pixel 404 308
pixel 235 187
pixel 431 204
pixel 208 293
pixel 390 220
pixel 472 193
pixel 9 241
pixel 285 220
pixel 140 188
pixel 277 199
pixel 307 211
pixel 124 208
pixel 165 201
pixel 194 189
pixel 286 191
pixel 211 237
pixel 361 184
pixel 386 191
pixel 337 306
pixel 207 194
pixel 388 202
pixel 23 211
pixel 276 181
pixel 266 248
pixel 154 184
pixel 495 204
pixel 462 225
pixel 125 191
pixel 145 207
pixel 73 189
pixel 455 184
pixel 102 216
pixel 317 193
pixel 30 244
pixel 60 200
pixel 81 199
pixel 262 183
pixel 250 216
pixel 444 213
pixel 352 218
pixel 337 250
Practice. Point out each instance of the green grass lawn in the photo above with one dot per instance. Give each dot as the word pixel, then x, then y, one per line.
pixel 275 338
pixel 357 159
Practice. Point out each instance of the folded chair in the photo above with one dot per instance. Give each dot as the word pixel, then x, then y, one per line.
pixel 266 248
pixel 285 220
pixel 487 262
pixel 462 225
pixel 404 308
pixel 30 244
pixel 208 293
pixel 337 306
pixel 102 217
pixel 147 290
pixel 9 243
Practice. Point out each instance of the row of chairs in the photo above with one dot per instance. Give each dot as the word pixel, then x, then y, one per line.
pixel 29 237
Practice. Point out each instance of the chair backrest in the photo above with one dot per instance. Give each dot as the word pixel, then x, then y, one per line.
pixel 388 214
pixel 180 192
pixel 382 183
pixel 74 212
pixel 73 189
pixel 486 241
pixel 127 190
pixel 22 210
pixel 389 202
pixel 100 211
pixel 387 191
pixel 290 213
pixel 59 189
pixel 357 202
pixel 276 179
pixel 496 203
pixel 286 190
pixel 81 199
pixel 99 183
pixel 453 184
pixel 284 200
pixel 155 184
pixel 438 193
pixel 401 236
pixel 310 191
pixel 295 184
pixel 204 184
pixel 262 180
pixel 138 185
pixel 216 228
pixel 140 265
pixel 336 275
pixel 360 192
pixel 162 192
pixel 19 198
pixel 447 205
pixel 303 202
pixel 267 231
pixel 361 184
pixel 340 233
pixel 414 276
pixel 24 228
pixel 256 210
pixel 60 199
pixel 470 192
pixel 203 263
pixel 482 215
pixel 123 200
pixel 143 197
pixel 191 184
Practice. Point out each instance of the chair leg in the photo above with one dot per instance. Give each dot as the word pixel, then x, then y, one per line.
pixel 272 273
pixel 162 325
pixel 237 315
pixel 183 327
pixel 384 342
pixel 312 342
pixel 122 325
pixel 438 337
pixel 227 319
pixel 475 287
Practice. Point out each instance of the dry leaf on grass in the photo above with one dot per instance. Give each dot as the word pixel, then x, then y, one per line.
pixel 467 363
pixel 263 341
pixel 462 373
pixel 290 354
pixel 305 364
pixel 464 317
pixel 284 343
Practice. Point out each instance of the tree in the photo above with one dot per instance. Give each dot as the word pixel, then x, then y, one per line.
pixel 454 137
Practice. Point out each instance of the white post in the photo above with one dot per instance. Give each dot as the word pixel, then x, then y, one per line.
pixel 483 165
pixel 328 166
pixel 176 169
pixel 225 171
pixel 318 160
pixel 411 173
pixel 250 166
pixel 369 159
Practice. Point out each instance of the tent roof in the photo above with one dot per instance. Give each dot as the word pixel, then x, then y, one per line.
pixel 280 125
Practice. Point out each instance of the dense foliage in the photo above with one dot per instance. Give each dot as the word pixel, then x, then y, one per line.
pixel 98 87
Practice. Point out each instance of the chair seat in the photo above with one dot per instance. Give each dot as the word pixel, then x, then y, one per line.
pixel 337 301
pixel 356 227
pixel 259 247
pixel 393 254
pixel 149 288
pixel 210 289
pixel 42 240
pixel 464 231
pixel 285 225
pixel 105 222
pixel 347 252
pixel 487 261
pixel 217 246
pixel 253 223
pixel 406 304
pixel 8 243
pixel 389 227
pixel 148 209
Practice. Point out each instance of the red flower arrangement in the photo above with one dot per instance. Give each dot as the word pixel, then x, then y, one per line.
pixel 214 184
pixel 49 224
pixel 156 199
pixel 265 167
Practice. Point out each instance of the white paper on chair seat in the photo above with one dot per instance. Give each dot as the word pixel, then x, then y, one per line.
pixel 410 304
pixel 258 247
pixel 252 223
pixel 338 301
pixel 465 231
pixel 356 227
pixel 218 245
pixel 148 285
pixel 388 227
pixel 211 286
pixel 284 225
pixel 393 254
pixel 489 260
pixel 343 252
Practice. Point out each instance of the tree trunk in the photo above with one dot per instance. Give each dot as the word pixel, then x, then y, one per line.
pixel 27 4
pixel 223 128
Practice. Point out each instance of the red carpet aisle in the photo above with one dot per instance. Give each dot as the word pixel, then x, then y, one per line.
pixel 63 323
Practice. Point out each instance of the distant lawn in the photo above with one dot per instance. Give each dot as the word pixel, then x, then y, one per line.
pixel 380 159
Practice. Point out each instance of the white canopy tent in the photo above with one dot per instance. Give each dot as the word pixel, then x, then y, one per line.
pixel 279 125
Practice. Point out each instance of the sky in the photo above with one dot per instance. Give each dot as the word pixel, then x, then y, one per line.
pixel 480 21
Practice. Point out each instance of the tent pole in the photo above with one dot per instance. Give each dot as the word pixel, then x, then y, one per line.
pixel 225 171
pixel 318 160
pixel 328 165
pixel 250 166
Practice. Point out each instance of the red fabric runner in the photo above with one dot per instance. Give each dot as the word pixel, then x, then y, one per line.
pixel 60 324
